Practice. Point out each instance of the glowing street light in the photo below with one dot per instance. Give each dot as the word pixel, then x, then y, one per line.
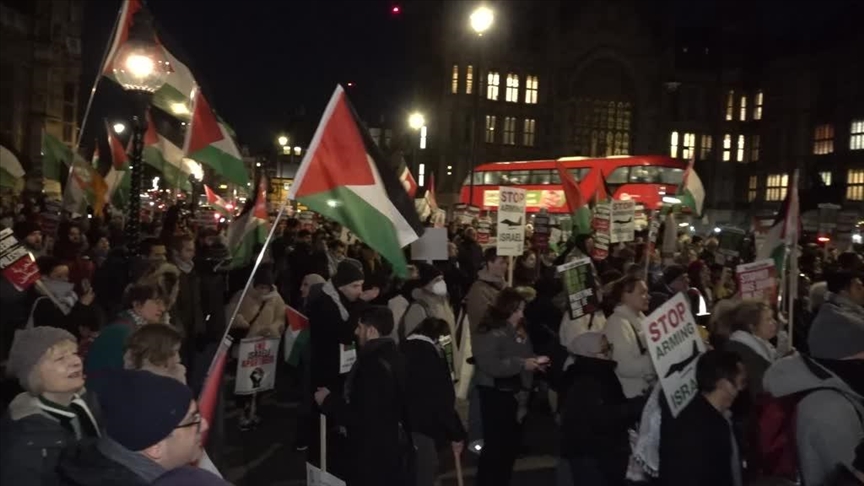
pixel 416 121
pixel 283 140
pixel 481 19
pixel 119 128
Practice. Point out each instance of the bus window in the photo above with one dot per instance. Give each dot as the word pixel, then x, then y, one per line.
pixel 491 178
pixel 540 177
pixel 671 175
pixel 514 178
pixel 646 174
pixel 618 176
pixel 580 173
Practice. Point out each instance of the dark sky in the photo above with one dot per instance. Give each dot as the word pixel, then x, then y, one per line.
pixel 264 65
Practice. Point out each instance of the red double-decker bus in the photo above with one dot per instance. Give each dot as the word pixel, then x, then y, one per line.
pixel 644 179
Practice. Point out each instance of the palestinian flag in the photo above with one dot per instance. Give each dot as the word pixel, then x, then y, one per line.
pixel 250 228
pixel 692 192
pixel 161 154
pixel 345 177
pixel 296 336
pixel 118 178
pixel 784 232
pixel 220 205
pixel 575 201
pixel 209 142
pixel 11 172
pixel 175 96
pixel 84 185
pixel 405 176
pixel 56 157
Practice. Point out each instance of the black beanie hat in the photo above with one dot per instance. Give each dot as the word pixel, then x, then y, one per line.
pixel 139 408
pixel 264 276
pixel 348 271
pixel 23 229
pixel 673 272
pixel 426 274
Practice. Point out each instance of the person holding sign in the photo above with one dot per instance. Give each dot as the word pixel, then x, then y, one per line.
pixel 753 326
pixel 504 367
pixel 624 332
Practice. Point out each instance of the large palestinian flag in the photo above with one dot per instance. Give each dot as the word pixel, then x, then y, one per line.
pixel 783 234
pixel 692 192
pixel 577 203
pixel 250 228
pixel 345 177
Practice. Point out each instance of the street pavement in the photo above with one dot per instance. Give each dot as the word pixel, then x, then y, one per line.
pixel 266 456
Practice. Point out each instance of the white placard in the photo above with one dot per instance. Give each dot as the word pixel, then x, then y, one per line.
pixel 431 246
pixel 623 221
pixel 316 477
pixel 511 221
pixel 675 345
pixel 256 365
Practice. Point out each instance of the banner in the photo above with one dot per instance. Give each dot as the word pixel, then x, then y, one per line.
pixel 16 262
pixel 511 221
pixel 256 365
pixel 675 345
pixel 758 280
pixel 579 284
pixel 623 221
pixel 535 199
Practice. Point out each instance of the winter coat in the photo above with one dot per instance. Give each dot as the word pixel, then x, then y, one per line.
pixel 262 315
pixel 838 330
pixel 85 464
pixel 457 281
pixel 331 325
pixel 187 313
pixel 371 411
pixel 108 348
pixel 828 422
pixel 624 332
pixel 499 358
pixel 481 295
pixel 470 259
pixel 756 360
pixel 31 441
pixel 426 304
pixel 46 313
pixel 430 394
pixel 696 448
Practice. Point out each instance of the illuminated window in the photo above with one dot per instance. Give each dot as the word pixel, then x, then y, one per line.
pixel 730 105
pixel 531 87
pixel 673 145
pixel 421 175
pixel 469 79
pixel 727 148
pixel 775 187
pixel 490 128
pixel 742 115
pixel 423 137
pixel 826 178
pixel 855 185
pixel 493 80
pixel 706 146
pixel 752 188
pixel 757 105
pixel 688 150
pixel 512 94
pixel 856 135
pixel 528 128
pixel 455 84
pixel 754 148
pixel 823 139
pixel 509 130
pixel 601 128
pixel 739 154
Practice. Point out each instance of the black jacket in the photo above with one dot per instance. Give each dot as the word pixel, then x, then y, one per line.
pixel 696 447
pixel 327 331
pixel 470 259
pixel 596 416
pixel 46 313
pixel 430 393
pixel 84 465
pixel 372 414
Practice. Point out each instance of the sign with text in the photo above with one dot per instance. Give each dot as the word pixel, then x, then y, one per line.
pixel 623 221
pixel 256 365
pixel 542 230
pixel 758 280
pixel 675 345
pixel 579 285
pixel 484 230
pixel 535 199
pixel 730 241
pixel 465 214
pixel 511 221
pixel 16 262
pixel 602 225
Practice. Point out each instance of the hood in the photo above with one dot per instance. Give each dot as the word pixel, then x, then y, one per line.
pixel 330 290
pixel 798 373
pixel 486 276
pixel 84 465
pixel 845 305
pixel 25 405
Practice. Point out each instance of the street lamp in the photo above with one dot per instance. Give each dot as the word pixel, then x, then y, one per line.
pixel 481 21
pixel 119 128
pixel 141 68
pixel 283 140
pixel 416 121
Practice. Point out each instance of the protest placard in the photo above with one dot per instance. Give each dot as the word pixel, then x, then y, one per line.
pixel 511 221
pixel 758 280
pixel 623 227
pixel 579 284
pixel 256 365
pixel 602 225
pixel 16 262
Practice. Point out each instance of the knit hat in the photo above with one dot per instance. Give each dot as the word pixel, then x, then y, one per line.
pixel 23 229
pixel 672 273
pixel 28 347
pixel 139 408
pixel 189 476
pixel 264 275
pixel 426 274
pixel 348 271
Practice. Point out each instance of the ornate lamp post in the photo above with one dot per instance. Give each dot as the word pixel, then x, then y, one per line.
pixel 141 67
pixel 481 21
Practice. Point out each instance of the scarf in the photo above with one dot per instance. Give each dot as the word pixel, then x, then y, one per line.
pixel 63 292
pixel 77 417
pixel 185 267
pixel 759 346
pixel 333 293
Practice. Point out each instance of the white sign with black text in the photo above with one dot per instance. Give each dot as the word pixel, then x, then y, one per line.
pixel 511 221
pixel 623 221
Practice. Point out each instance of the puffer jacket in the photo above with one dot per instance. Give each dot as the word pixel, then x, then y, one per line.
pixel 262 315
pixel 499 356
pixel 624 332
pixel 838 329
pixel 481 295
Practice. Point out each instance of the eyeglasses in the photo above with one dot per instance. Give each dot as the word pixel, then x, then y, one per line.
pixel 196 422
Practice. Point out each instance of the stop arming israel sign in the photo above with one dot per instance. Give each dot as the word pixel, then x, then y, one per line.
pixel 675 345
pixel 511 221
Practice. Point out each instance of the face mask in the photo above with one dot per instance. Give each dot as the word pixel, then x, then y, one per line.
pixel 59 288
pixel 439 288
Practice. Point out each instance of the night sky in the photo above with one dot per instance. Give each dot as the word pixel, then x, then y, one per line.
pixel 266 67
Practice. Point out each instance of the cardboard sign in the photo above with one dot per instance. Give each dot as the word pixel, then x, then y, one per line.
pixel 653 231
pixel 16 262
pixel 465 214
pixel 484 230
pixel 542 231
pixel 758 280
pixel 511 221
pixel 347 357
pixel 256 365
pixel 623 228
pixel 431 246
pixel 602 225
pixel 675 345
pixel 579 283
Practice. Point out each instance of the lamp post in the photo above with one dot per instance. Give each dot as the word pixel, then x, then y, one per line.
pixel 141 68
pixel 285 150
pixel 416 121
pixel 481 21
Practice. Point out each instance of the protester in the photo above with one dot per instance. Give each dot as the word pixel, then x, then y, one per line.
pixel 753 327
pixel 189 476
pixel 187 313
pixel 53 411
pixel 155 349
pixel 624 332
pixel 429 300
pixel 838 329
pixel 58 304
pixel 489 281
pixel 471 256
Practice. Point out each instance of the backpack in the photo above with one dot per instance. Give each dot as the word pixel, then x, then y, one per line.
pixel 400 329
